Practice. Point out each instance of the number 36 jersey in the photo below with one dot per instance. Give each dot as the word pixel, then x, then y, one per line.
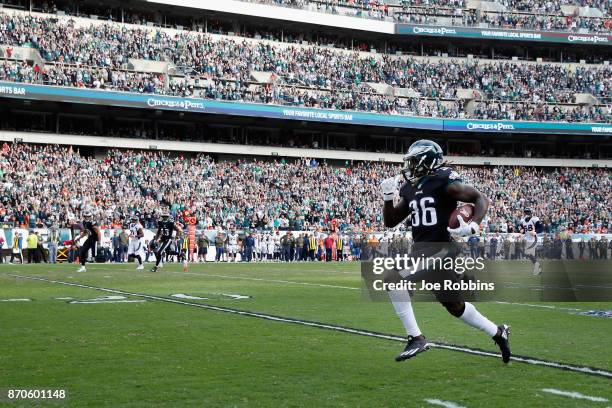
pixel 430 205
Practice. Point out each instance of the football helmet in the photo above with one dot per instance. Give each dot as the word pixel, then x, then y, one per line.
pixel 423 157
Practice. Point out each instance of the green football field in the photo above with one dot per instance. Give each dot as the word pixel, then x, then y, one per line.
pixel 287 335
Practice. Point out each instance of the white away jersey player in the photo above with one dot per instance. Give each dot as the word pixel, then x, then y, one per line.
pixel 232 243
pixel 528 223
pixel 136 246
pixel 270 245
pixel 529 226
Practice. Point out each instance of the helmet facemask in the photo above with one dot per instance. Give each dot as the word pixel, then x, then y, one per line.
pixel 420 162
pixel 414 167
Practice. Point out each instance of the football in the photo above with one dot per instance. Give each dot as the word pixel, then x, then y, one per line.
pixel 466 211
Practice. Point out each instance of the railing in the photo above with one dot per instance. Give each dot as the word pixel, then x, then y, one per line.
pixel 396 12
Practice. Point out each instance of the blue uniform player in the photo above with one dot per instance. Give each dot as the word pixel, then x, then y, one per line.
pixel 426 201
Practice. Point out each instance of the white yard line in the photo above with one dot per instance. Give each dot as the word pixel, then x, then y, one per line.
pixel 322 285
pixel 445 404
pixel 571 309
pixel 574 394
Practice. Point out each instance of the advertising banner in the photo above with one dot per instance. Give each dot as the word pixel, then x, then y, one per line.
pixel 504 34
pixel 173 103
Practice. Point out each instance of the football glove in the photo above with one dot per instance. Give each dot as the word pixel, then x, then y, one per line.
pixel 464 229
pixel 388 187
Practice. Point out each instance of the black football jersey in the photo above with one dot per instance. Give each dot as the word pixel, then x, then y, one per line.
pixel 89 226
pixel 430 205
pixel 165 229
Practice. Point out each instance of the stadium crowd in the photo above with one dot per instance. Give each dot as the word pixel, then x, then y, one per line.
pixel 111 46
pixel 270 246
pixel 97 56
pixel 52 185
pixel 539 6
pixel 518 14
pixel 536 15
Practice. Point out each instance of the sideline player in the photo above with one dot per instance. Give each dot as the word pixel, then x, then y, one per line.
pixel 531 227
pixel 232 247
pixel 429 196
pixel 165 229
pixel 92 232
pixel 136 247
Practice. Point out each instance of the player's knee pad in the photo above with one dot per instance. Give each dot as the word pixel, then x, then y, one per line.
pixel 455 308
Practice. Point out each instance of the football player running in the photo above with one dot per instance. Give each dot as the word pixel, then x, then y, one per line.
pixel 136 246
pixel 91 230
pixel 531 227
pixel 165 229
pixel 427 198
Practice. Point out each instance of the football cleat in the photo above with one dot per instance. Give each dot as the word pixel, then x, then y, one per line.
pixel 415 346
pixel 154 269
pixel 501 339
pixel 140 267
pixel 82 269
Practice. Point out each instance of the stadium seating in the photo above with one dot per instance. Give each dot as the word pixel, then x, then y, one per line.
pixel 94 54
pixel 42 183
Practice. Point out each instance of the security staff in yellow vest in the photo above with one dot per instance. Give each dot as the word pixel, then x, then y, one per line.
pixel 16 248
pixel 32 242
pixel 339 247
pixel 312 246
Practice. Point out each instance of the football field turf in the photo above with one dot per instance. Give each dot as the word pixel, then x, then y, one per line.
pixel 267 335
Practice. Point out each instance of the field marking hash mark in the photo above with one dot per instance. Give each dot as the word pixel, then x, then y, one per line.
pixel 441 403
pixel 574 394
